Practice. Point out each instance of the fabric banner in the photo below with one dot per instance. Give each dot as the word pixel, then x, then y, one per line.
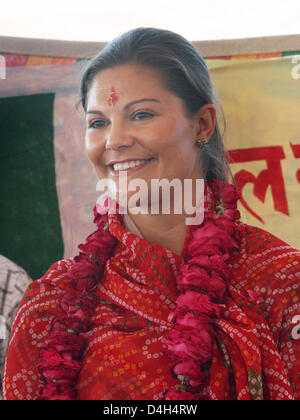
pixel 48 186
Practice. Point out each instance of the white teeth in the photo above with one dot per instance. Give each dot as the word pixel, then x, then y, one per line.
pixel 127 165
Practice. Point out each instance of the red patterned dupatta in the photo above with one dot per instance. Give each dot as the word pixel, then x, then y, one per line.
pixel 142 338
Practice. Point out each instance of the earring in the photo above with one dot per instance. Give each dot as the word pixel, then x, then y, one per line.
pixel 201 142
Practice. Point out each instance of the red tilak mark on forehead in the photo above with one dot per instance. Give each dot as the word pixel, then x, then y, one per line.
pixel 113 98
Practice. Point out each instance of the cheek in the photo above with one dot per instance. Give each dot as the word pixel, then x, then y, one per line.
pixel 178 154
pixel 174 134
pixel 175 146
pixel 94 149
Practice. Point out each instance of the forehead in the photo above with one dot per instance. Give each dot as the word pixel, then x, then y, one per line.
pixel 126 81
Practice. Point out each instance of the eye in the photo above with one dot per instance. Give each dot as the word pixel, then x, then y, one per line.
pixel 143 115
pixel 94 124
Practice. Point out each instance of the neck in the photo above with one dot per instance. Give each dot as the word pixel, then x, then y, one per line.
pixel 166 230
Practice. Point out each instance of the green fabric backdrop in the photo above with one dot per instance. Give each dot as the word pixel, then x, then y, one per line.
pixel 30 222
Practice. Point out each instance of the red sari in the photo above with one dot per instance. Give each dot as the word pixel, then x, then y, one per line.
pixel 255 355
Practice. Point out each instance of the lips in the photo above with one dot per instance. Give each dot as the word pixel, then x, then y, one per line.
pixel 112 162
pixel 128 166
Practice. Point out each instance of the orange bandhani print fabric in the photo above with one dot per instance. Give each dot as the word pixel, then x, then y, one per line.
pixel 256 352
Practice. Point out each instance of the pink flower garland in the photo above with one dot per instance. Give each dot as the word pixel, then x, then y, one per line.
pixel 201 281
pixel 64 348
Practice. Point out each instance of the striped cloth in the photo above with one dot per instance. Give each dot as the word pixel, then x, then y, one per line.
pixel 13 283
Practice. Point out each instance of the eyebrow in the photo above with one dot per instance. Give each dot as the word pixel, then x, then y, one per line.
pixel 92 111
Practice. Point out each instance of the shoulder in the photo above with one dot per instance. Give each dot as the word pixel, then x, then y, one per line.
pixel 270 267
pixel 41 299
pixel 264 257
pixel 57 269
pixel 260 241
pixel 266 264
pixel 50 284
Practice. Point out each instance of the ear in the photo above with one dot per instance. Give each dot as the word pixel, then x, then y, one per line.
pixel 205 121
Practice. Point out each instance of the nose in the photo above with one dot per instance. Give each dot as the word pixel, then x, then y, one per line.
pixel 117 137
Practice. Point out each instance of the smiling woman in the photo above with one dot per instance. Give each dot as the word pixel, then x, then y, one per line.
pixel 139 134
pixel 151 308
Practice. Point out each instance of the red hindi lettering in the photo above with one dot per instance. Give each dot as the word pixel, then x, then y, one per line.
pixel 296 151
pixel 270 177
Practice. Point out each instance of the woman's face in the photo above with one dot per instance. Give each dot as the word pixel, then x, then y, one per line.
pixel 132 116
